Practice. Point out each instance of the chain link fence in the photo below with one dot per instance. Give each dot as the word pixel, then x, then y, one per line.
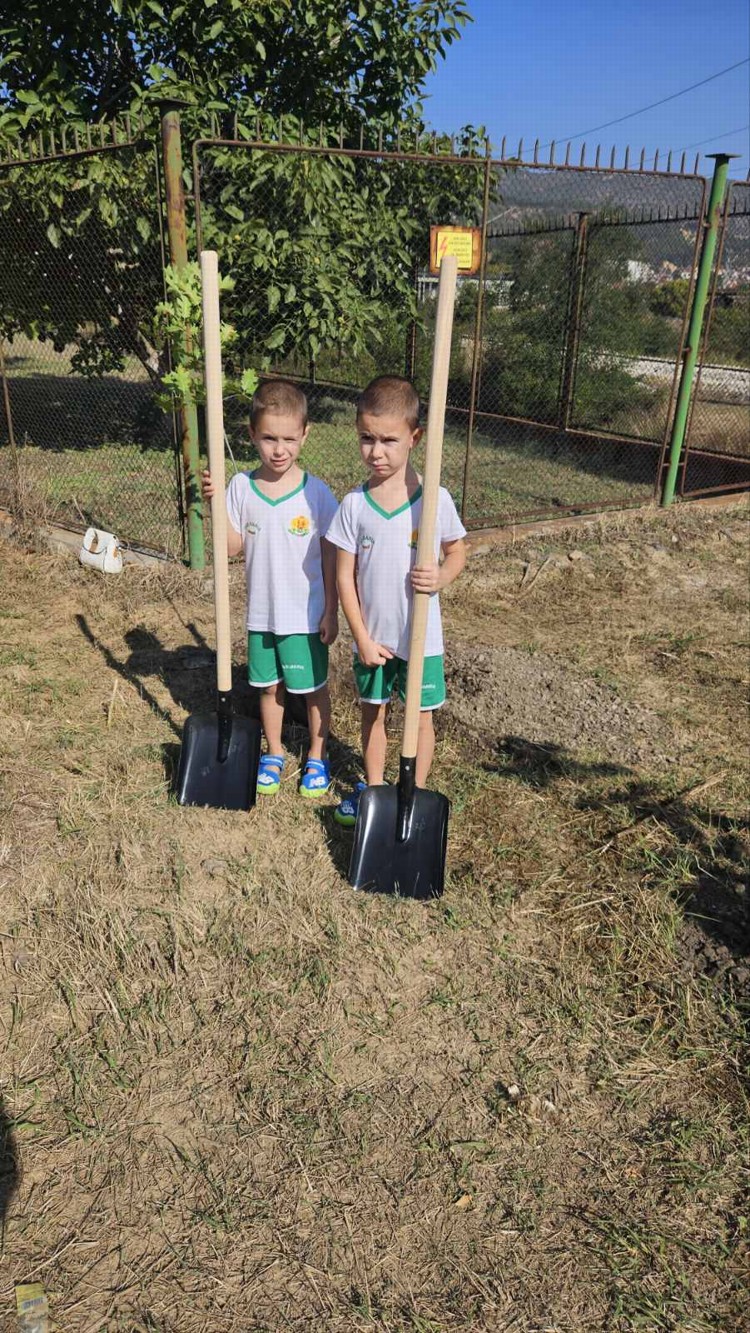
pixel 85 440
pixel 324 248
pixel 717 456
pixel 564 360
pixel 567 348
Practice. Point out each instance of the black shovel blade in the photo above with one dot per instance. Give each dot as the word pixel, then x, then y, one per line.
pixel 203 778
pixel 381 862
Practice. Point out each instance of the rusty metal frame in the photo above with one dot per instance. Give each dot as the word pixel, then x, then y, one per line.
pixel 643 216
pixel 137 139
pixel 729 211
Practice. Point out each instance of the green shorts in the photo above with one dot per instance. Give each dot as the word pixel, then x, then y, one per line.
pixel 375 684
pixel 300 660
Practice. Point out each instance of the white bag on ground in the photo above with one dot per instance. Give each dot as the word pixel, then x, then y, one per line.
pixel 101 550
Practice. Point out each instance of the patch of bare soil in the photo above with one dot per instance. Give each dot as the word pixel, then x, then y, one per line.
pixel 713 941
pixel 504 691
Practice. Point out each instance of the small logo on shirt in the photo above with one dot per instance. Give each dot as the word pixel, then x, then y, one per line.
pixel 366 541
pixel 300 526
pixel 252 529
pixel 414 539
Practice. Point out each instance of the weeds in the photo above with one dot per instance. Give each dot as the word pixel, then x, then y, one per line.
pixel 236 1095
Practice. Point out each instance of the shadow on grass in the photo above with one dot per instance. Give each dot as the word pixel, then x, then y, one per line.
pixel 713 897
pixel 540 763
pixel 189 673
pixel 71 412
pixel 10 1167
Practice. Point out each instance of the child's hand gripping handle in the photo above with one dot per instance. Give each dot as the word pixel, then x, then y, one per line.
pixel 215 433
pixel 430 487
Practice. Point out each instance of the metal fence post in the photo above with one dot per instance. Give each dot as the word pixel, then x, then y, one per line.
pixel 11 434
pixel 573 323
pixel 705 265
pixel 177 232
pixel 476 359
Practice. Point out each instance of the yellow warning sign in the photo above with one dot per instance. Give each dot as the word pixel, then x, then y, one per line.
pixel 463 242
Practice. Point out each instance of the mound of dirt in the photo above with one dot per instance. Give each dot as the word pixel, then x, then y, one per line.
pixel 714 939
pixel 502 691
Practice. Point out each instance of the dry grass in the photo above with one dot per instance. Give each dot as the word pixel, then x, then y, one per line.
pixel 242 1097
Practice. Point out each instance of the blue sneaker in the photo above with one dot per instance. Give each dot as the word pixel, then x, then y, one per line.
pixel 316 779
pixel 346 811
pixel 269 774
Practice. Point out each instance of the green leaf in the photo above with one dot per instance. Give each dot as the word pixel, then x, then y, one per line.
pixel 249 382
pixel 274 296
pixel 53 235
pixel 215 29
pixel 276 337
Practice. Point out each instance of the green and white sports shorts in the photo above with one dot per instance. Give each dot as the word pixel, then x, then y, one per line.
pixel 376 684
pixel 299 660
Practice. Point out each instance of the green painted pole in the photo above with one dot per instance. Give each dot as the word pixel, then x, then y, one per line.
pixel 695 326
pixel 178 253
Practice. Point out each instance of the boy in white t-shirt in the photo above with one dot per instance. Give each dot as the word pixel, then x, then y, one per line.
pixel 376 531
pixel 278 516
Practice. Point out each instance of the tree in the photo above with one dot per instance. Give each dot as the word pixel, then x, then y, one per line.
pixel 87 230
pixel 323 249
pixel 316 59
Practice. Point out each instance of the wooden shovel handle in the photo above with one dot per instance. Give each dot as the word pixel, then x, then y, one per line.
pixel 430 487
pixel 215 432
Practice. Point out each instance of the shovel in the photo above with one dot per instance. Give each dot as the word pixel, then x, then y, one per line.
pixel 220 752
pixel 402 831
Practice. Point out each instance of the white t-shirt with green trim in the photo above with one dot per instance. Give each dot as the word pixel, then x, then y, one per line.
pixel 386 548
pixel 283 566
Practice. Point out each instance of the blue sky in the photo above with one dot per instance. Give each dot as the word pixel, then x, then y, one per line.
pixel 548 70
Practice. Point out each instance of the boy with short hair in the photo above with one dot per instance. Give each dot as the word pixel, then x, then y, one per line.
pixel 376 531
pixel 278 516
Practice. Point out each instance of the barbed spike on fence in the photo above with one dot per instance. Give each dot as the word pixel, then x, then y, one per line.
pixel 63 139
pixel 552 153
pixel 502 149
pixel 612 158
pixel 88 136
pixel 597 155
pixel 656 160
pixel 642 162
pixel 520 150
pixel 682 165
pixel 128 126
pixel 536 152
pixel 567 153
pixel 582 162
pixel 697 164
pixel 669 160
pixel 627 157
